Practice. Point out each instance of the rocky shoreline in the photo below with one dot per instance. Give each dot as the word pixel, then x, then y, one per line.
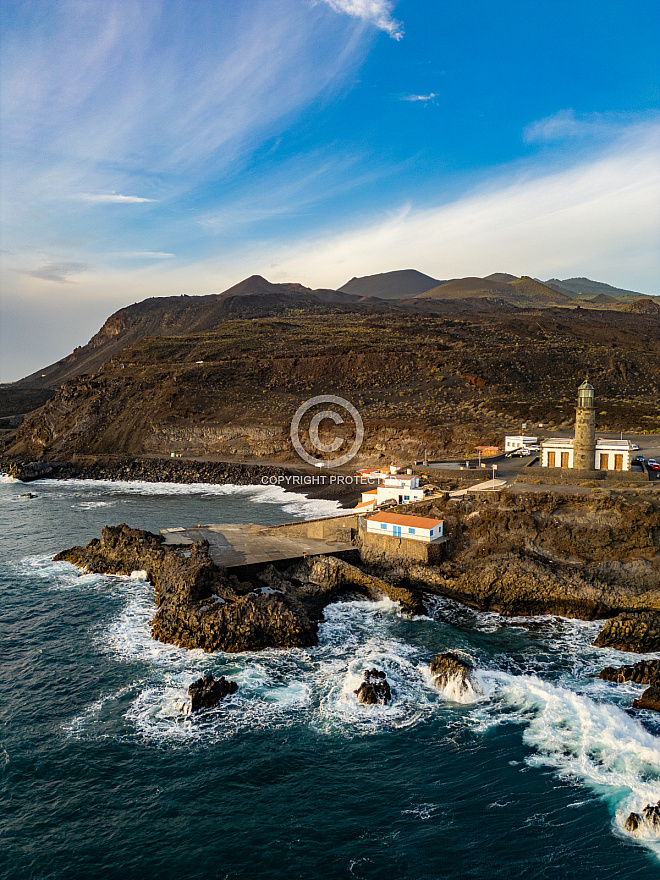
pixel 200 605
pixel 586 557
pixel 185 471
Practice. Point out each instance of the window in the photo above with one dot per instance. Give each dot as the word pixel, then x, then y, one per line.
pixel 383 525
pixel 411 531
pixel 406 497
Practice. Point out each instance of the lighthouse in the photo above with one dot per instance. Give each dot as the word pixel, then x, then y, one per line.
pixel 584 445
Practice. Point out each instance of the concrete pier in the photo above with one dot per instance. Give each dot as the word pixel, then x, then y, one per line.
pixel 239 544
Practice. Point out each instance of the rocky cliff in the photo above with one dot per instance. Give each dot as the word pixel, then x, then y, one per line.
pixel 202 606
pixel 422 383
pixel 587 556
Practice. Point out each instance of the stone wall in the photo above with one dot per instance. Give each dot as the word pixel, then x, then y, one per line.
pixel 386 549
pixel 329 528
pixel 572 477
pixel 467 477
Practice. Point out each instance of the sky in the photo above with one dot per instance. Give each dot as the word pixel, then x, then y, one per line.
pixel 160 147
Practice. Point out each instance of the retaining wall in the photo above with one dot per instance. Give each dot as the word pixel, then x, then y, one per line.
pixel 571 477
pixel 328 528
pixel 376 548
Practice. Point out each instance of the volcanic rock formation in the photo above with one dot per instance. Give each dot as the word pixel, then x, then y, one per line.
pixel 643 672
pixel 632 632
pixel 207 692
pixel 450 668
pixel 374 689
pixel 646 821
pixel 650 699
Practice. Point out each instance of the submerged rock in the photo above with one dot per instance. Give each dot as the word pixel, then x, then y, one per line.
pixel 643 672
pixel 635 632
pixel 646 821
pixel 207 692
pixel 375 689
pixel 650 699
pixel 450 668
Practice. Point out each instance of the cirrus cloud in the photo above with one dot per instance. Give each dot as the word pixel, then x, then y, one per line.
pixel 112 199
pixel 377 12
pixel 56 271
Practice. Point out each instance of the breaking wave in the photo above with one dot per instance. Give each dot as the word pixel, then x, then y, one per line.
pixel 571 723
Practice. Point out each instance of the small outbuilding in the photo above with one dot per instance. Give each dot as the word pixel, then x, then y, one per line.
pixel 400 525
pixel 518 441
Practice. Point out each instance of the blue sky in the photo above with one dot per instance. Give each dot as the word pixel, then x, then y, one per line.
pixel 156 147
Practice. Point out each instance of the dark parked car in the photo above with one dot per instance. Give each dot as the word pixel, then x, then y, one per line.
pixel 638 459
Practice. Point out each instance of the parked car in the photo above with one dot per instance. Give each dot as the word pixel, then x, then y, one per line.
pixel 653 466
pixel 638 459
pixel 634 446
pixel 533 448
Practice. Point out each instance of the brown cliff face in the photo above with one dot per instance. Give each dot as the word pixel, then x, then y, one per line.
pixel 201 606
pixel 421 383
pixel 591 557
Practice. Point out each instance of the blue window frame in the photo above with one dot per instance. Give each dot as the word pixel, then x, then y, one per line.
pixel 411 531
pixel 383 525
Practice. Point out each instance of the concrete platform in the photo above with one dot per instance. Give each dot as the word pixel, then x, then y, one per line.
pixel 238 544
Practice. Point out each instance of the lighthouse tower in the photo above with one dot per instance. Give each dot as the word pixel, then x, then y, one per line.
pixel 584 446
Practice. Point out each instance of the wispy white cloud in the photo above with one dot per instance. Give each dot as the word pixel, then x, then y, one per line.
pixel 100 98
pixel 144 255
pixel 377 12
pixel 599 217
pixel 423 98
pixel 57 271
pixel 566 124
pixel 112 198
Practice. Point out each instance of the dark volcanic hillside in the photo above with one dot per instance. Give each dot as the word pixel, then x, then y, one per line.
pixel 522 292
pixel 180 315
pixel 420 382
pixel 585 288
pixel 401 284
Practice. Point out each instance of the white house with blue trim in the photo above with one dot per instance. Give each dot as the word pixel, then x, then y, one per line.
pixel 400 525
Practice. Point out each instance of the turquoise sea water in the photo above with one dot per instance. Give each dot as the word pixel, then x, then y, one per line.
pixel 531 776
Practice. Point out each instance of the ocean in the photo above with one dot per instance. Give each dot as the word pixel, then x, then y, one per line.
pixel 531 774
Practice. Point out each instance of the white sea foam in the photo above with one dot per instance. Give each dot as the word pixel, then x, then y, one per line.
pixel 290 502
pixel 355 637
pixel 595 743
pixel 572 724
pixel 58 575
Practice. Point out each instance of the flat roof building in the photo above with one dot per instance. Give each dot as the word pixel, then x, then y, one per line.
pixel 400 525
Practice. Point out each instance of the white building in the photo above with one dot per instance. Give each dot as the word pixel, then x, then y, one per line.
pixel 399 525
pixel 518 441
pixel 399 488
pixel 611 455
